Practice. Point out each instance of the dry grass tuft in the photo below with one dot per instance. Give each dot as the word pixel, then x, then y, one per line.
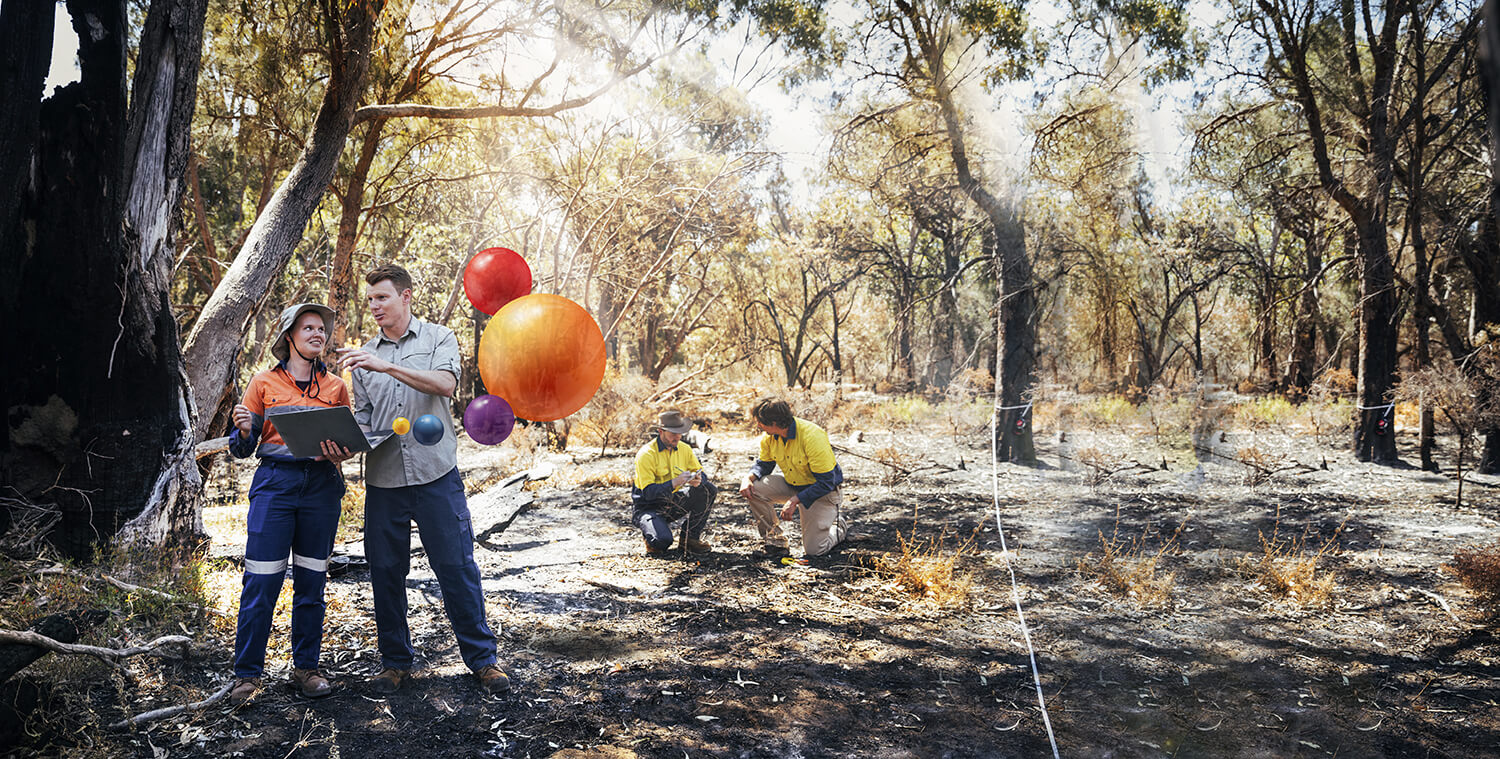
pixel 928 568
pixel 608 478
pixel 1287 571
pixel 351 512
pixel 1478 569
pixel 1126 569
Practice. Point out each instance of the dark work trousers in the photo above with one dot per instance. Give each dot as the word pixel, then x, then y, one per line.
pixel 655 518
pixel 442 516
pixel 294 508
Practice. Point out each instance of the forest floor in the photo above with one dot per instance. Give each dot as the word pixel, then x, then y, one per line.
pixel 1165 608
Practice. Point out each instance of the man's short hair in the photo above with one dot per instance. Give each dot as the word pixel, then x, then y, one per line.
pixel 398 276
pixel 773 411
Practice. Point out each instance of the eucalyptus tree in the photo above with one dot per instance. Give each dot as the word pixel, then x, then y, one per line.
pixel 1250 155
pixel 98 433
pixel 646 206
pixel 1343 66
pixel 909 226
pixel 939 53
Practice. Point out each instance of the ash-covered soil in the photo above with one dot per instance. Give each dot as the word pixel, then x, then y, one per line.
pixel 615 654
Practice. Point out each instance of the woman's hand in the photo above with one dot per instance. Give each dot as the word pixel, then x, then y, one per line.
pixel 242 419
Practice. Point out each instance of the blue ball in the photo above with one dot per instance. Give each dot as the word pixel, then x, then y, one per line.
pixel 427 429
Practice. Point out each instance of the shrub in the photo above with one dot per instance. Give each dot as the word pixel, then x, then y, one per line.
pixel 1335 382
pixel 1124 567
pixel 1108 410
pixel 1268 411
pixel 926 568
pixel 1479 570
pixel 1286 571
pixel 618 412
pixel 903 412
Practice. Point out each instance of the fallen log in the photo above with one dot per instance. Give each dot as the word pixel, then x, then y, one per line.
pixel 65 627
pixel 210 447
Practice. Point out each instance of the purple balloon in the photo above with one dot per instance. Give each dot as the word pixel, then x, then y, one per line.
pixel 489 420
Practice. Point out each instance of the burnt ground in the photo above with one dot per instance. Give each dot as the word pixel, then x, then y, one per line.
pixel 615 654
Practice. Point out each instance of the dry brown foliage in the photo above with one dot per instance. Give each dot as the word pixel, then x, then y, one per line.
pixel 927 567
pixel 618 413
pixel 1478 568
pixel 1287 571
pixel 1125 567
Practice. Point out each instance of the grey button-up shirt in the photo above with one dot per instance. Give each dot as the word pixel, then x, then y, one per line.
pixel 380 398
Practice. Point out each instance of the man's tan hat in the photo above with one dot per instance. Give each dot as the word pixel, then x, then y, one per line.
pixel 281 349
pixel 675 422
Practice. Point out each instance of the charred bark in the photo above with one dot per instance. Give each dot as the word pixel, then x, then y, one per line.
pixel 100 424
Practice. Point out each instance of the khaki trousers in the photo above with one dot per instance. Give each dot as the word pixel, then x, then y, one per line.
pixel 823 526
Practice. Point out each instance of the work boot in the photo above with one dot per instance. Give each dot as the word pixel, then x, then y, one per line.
pixel 244 689
pixel 492 679
pixel 312 683
pixel 389 680
pixel 653 550
pixel 694 545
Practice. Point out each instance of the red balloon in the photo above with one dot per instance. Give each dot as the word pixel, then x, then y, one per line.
pixel 544 354
pixel 495 277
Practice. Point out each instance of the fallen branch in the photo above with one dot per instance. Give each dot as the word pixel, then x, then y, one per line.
pixel 65 626
pixel 896 467
pixel 111 656
pixel 172 711
pixel 618 590
pixel 1440 602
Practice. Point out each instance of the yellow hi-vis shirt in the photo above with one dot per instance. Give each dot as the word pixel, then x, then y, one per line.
pixel 801 456
pixel 654 466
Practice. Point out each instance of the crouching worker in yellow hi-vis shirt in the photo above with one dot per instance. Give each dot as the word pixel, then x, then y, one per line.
pixel 670 485
pixel 808 484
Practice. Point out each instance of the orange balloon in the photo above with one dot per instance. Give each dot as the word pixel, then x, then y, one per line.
pixel 544 355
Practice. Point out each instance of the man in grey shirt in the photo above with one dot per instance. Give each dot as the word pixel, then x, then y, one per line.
pixel 410 369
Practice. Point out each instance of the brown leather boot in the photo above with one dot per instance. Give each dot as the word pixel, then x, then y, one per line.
pixel 244 689
pixel 389 680
pixel 694 545
pixel 492 679
pixel 312 683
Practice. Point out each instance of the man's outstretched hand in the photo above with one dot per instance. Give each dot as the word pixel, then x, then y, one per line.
pixel 359 358
pixel 334 452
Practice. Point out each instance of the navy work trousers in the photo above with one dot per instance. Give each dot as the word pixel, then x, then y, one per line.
pixel 442 516
pixel 655 518
pixel 294 508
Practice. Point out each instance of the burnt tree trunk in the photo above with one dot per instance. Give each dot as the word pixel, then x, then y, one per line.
pixel 101 428
pixel 1489 68
pixel 1374 430
pixel 1015 342
pixel 1302 363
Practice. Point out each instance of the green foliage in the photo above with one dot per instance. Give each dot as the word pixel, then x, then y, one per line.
pixel 1269 411
pixel 903 411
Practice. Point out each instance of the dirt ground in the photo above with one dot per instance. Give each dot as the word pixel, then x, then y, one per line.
pixel 615 654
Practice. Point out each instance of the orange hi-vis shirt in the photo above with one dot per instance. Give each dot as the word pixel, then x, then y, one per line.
pixel 274 391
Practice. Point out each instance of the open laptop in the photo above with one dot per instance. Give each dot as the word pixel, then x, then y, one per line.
pixel 305 431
